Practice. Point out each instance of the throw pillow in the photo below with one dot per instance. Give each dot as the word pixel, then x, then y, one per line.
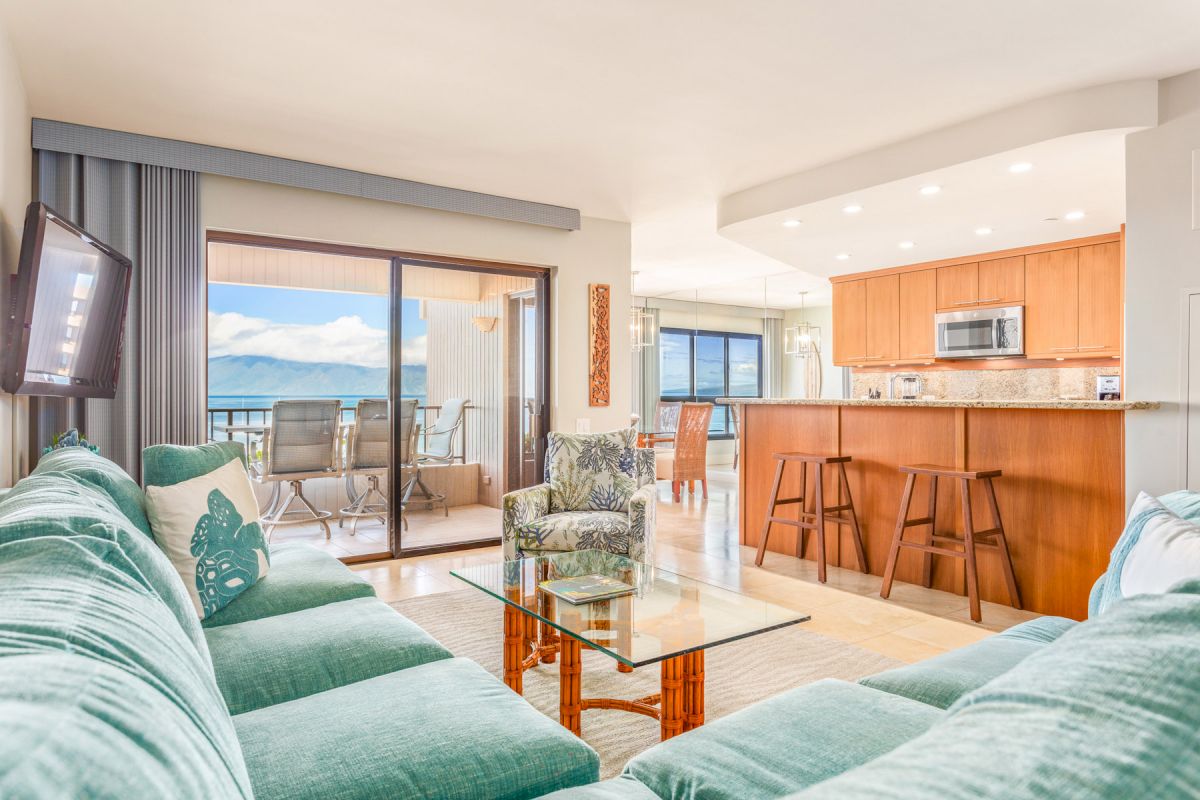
pixel 591 471
pixel 1156 550
pixel 167 464
pixel 208 527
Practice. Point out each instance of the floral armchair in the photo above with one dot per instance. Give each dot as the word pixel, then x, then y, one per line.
pixel 599 494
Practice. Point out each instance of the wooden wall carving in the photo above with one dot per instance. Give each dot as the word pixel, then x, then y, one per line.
pixel 599 358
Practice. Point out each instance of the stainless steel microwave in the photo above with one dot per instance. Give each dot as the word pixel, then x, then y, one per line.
pixel 981 333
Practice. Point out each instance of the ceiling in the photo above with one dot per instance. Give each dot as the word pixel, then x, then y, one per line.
pixel 646 112
pixel 1080 173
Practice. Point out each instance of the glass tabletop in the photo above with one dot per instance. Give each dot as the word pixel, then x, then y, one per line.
pixel 666 615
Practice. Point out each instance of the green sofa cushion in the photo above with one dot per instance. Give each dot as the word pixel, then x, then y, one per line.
pixel 782 744
pixel 57 504
pixel 445 730
pixel 941 680
pixel 85 466
pixel 169 464
pixel 272 660
pixel 101 693
pixel 623 787
pixel 1110 710
pixel 301 577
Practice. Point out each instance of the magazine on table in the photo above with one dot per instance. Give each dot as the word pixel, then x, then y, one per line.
pixel 586 588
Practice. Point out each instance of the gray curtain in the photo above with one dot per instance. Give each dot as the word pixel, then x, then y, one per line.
pixel 150 214
pixel 104 198
pixel 172 309
pixel 646 388
pixel 772 357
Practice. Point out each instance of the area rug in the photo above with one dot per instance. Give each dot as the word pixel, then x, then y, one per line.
pixel 737 674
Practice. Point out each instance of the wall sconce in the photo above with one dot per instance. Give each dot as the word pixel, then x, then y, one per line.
pixel 485 324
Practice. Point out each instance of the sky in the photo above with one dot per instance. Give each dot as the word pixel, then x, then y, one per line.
pixel 310 326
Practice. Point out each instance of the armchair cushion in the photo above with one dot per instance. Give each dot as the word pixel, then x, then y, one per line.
pixel 591 471
pixel 577 530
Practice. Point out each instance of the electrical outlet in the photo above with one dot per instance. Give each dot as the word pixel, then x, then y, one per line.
pixel 487 480
pixel 583 425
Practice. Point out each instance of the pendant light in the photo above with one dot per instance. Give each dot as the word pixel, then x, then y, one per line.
pixel 642 329
pixel 802 340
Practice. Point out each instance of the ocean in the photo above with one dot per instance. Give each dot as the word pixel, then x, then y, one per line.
pixel 265 401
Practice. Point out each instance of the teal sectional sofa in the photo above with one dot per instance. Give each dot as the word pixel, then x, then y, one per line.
pixel 1108 708
pixel 305 686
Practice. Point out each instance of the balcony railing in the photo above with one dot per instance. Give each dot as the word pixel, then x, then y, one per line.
pixel 427 416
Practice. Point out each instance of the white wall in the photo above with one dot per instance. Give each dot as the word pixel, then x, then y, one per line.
pixel 1162 259
pixel 831 380
pixel 16 157
pixel 597 253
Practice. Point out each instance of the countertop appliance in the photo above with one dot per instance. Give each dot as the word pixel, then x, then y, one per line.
pixel 911 386
pixel 980 333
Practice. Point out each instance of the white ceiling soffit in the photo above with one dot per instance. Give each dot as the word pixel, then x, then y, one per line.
pixel 1075 143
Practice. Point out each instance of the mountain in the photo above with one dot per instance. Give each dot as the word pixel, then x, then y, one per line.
pixel 264 376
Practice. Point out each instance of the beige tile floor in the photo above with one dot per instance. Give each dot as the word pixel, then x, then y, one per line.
pixel 699 538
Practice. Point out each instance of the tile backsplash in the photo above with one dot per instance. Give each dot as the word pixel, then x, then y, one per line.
pixel 1074 383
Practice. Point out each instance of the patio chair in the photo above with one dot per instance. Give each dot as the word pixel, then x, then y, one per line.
pixel 687 461
pixel 439 448
pixel 367 455
pixel 302 443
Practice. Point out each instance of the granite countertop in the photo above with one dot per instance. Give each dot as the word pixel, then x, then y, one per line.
pixel 1070 405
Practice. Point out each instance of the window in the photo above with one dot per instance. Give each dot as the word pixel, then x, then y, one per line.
pixel 704 365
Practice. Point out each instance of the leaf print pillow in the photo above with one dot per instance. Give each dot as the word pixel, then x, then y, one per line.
pixel 591 471
pixel 208 527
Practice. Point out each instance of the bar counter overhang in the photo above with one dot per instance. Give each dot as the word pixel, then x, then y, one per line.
pixel 1061 496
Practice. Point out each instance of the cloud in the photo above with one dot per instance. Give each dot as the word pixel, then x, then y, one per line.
pixel 345 340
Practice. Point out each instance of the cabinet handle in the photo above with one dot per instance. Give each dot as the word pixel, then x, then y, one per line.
pixel 923 355
pixel 1094 347
pixel 1063 349
pixel 989 300
pixel 965 303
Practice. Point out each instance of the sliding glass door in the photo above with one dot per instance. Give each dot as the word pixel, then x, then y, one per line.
pixel 470 344
pixel 385 403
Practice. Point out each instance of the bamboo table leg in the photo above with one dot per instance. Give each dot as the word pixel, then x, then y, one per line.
pixel 671 710
pixel 570 669
pixel 514 648
pixel 693 690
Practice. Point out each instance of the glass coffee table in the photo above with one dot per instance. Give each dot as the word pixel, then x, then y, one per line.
pixel 669 620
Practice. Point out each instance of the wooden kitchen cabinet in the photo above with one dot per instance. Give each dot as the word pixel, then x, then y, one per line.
pixel 1052 304
pixel 850 322
pixel 1073 302
pixel 1100 300
pixel 918 304
pixel 866 320
pixel 957 287
pixel 1002 281
pixel 883 318
pixel 997 282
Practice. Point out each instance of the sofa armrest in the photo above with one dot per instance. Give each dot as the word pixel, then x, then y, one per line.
pixel 642 508
pixel 519 509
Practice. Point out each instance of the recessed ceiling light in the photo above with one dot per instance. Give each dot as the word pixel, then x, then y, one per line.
pixel 930 190
pixel 791 223
pixel 853 208
pixel 907 245
pixel 1074 215
pixel 842 256
pixel 1019 167
pixel 984 231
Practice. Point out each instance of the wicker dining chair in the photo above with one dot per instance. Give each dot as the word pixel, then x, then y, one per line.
pixel 687 461
pixel 302 443
pixel 666 421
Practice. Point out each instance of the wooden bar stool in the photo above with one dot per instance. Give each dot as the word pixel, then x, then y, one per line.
pixel 813 520
pixel 991 538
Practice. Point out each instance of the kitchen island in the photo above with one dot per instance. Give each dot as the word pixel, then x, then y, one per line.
pixel 1061 496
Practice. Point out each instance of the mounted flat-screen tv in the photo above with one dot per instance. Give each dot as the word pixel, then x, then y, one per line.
pixel 67 316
